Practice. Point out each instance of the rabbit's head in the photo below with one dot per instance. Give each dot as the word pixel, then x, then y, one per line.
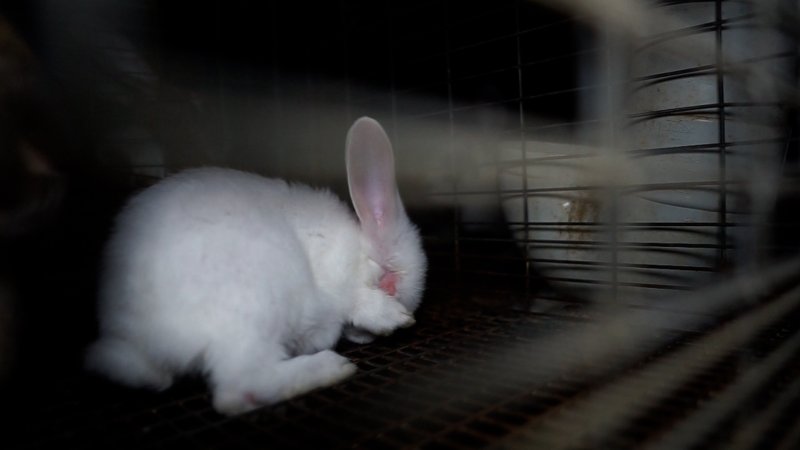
pixel 389 238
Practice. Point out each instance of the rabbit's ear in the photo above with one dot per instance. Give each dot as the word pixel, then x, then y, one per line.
pixel 370 176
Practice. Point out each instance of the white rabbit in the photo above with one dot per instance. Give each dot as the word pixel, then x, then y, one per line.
pixel 250 280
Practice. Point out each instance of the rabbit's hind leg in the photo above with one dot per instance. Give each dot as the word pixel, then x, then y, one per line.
pixel 243 384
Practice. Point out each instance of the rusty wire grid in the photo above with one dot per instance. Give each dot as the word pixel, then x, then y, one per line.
pixel 510 349
pixel 468 377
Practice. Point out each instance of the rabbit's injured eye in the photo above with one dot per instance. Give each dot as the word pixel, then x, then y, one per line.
pixel 388 282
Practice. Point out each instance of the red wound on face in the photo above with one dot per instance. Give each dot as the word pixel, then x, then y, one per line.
pixel 388 283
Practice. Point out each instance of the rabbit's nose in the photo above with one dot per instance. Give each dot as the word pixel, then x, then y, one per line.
pixel 388 283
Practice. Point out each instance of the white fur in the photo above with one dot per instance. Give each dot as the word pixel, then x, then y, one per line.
pixel 249 280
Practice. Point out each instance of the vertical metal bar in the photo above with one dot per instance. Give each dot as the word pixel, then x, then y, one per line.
pixel 348 91
pixel 451 149
pixel 277 91
pixel 720 62
pixel 221 98
pixel 392 68
pixel 612 192
pixel 614 69
pixel 523 150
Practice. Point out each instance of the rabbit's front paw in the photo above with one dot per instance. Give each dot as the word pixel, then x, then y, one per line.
pixel 267 383
pixel 383 316
pixel 336 366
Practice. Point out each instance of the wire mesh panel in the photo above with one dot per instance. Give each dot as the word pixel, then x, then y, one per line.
pixel 603 189
pixel 473 378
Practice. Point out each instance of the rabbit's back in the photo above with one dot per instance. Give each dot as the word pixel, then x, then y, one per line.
pixel 208 254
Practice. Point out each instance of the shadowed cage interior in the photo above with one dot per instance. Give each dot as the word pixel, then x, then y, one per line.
pixel 606 195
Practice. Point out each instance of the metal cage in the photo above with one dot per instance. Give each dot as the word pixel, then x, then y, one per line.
pixel 606 194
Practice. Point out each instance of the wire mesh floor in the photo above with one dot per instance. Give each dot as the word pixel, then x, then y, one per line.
pixel 439 384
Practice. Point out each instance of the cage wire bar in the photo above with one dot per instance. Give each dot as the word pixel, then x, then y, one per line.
pixel 520 344
pixel 471 378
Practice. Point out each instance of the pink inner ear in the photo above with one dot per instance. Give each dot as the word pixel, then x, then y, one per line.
pixel 388 283
pixel 370 176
